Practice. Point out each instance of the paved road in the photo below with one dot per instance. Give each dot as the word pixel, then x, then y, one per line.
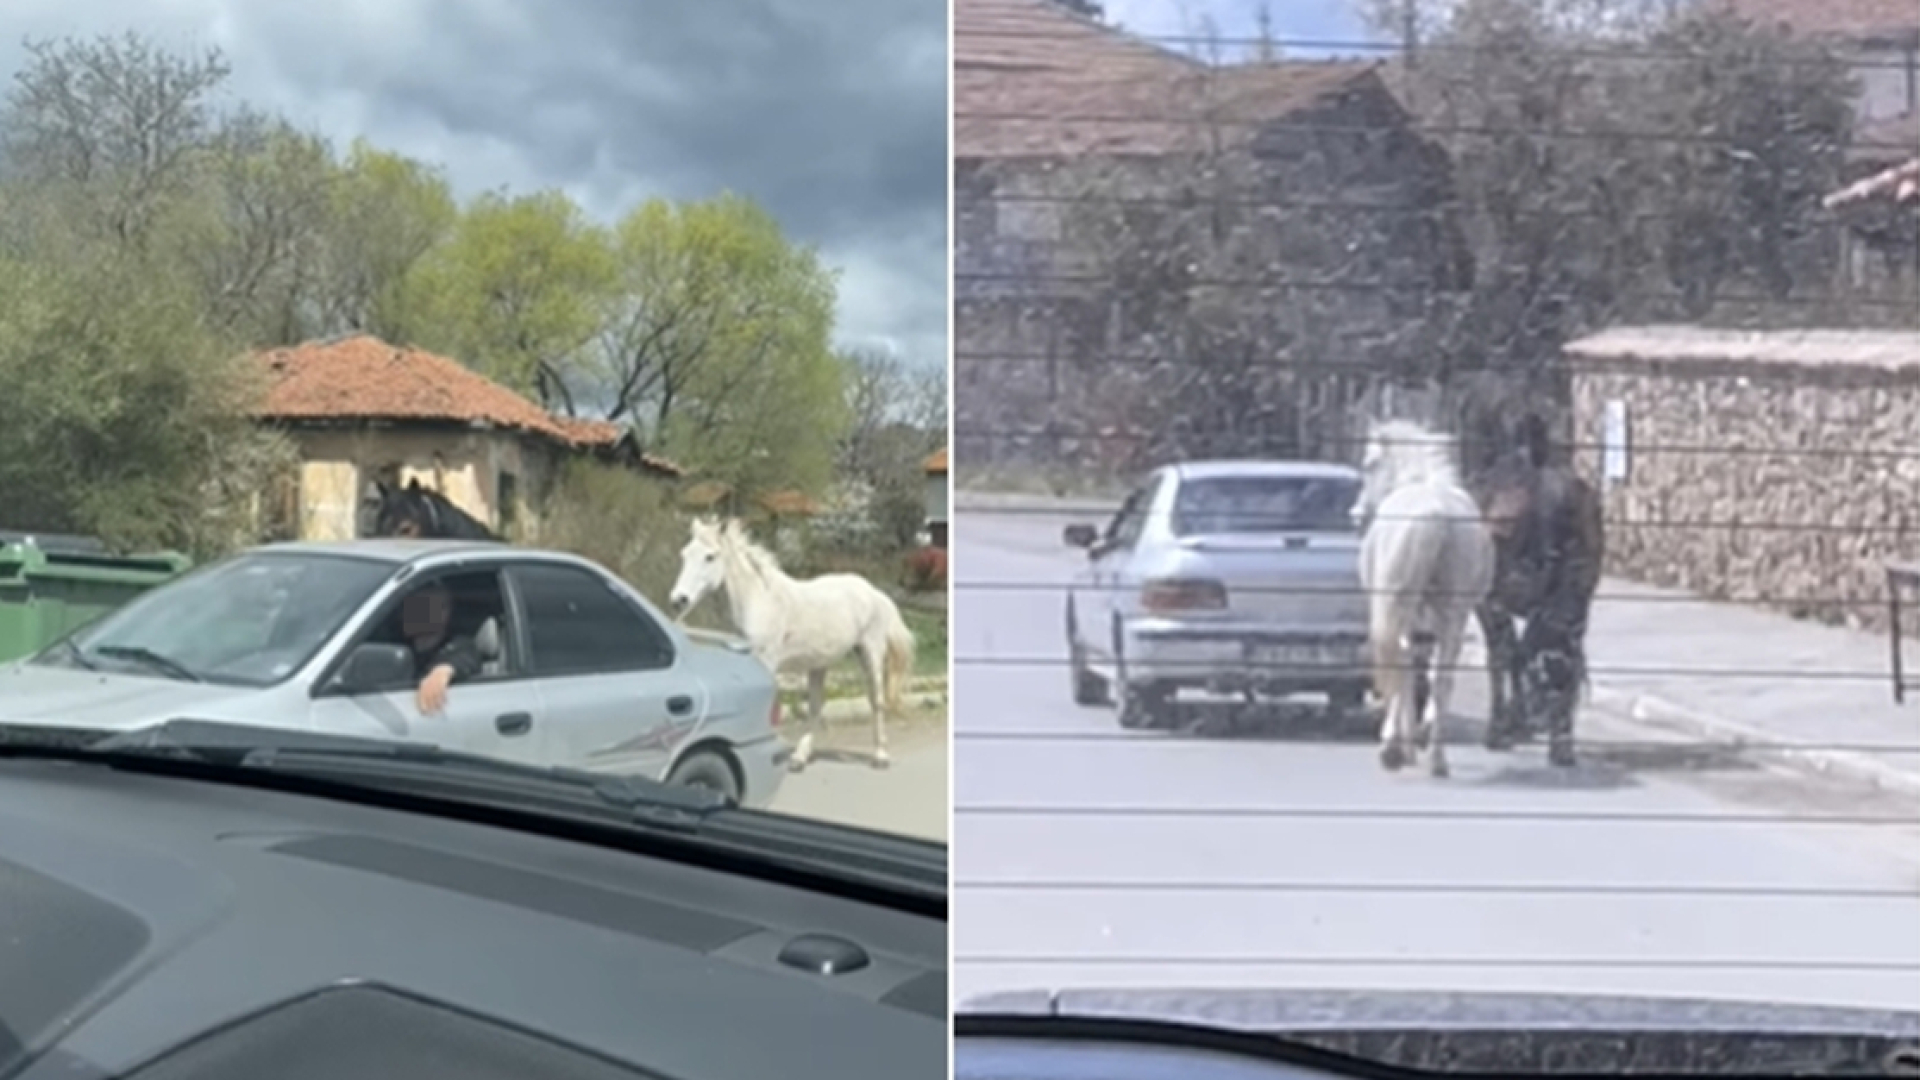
pixel 908 797
pixel 1260 879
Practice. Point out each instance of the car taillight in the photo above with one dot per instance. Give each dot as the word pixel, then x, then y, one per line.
pixel 1184 594
pixel 773 714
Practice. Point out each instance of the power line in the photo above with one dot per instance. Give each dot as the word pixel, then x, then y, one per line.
pixel 1595 671
pixel 1389 49
pixel 1032 279
pixel 1467 444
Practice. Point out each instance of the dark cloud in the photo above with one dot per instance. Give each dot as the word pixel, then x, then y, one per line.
pixel 832 115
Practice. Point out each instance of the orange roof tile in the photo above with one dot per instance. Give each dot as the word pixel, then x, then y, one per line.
pixel 789 503
pixel 364 378
pixel 936 462
pixel 606 435
pixel 705 495
pixel 1033 80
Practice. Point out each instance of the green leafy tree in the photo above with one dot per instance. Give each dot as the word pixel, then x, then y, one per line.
pixel 127 406
pixel 516 291
pixel 716 342
pixel 386 214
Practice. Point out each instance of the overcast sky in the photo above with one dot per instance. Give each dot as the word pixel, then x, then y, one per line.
pixel 830 114
pixel 1292 20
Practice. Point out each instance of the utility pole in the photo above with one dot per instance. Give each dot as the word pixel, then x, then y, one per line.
pixel 1409 47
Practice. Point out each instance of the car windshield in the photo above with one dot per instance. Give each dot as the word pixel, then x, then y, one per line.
pixel 1258 504
pixel 305 328
pixel 246 621
pixel 1603 679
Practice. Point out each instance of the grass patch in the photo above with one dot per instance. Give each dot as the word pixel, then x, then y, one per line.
pixel 930 640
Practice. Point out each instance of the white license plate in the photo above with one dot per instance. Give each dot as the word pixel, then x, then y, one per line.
pixel 1286 657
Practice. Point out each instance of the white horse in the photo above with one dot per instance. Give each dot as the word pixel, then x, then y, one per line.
pixel 1426 562
pixel 795 625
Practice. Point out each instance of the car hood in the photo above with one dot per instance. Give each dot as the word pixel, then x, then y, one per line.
pixel 1510 1032
pixel 66 697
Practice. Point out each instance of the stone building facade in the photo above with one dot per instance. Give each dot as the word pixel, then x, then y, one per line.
pixel 1778 469
pixel 1056 362
pixel 359 411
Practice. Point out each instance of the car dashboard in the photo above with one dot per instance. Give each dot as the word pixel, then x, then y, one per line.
pixel 1303 1034
pixel 157 928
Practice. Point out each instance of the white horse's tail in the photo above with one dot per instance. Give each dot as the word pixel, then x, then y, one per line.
pixel 1397 594
pixel 899 660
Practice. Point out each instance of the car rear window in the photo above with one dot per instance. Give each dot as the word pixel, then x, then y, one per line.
pixel 1256 504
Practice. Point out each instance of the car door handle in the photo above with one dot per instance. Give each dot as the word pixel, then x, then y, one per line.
pixel 513 723
pixel 680 705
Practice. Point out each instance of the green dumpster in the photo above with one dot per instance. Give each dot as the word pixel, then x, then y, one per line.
pixel 47 592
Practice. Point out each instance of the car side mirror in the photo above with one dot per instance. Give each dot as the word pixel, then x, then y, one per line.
pixel 1080 536
pixel 375 667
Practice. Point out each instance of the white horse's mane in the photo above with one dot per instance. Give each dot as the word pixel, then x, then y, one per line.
pixel 732 534
pixel 1416 453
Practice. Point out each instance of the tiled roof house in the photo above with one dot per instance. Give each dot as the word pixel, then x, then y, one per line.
pixel 1046 100
pixel 360 410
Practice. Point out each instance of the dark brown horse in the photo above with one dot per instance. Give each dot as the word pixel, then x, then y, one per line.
pixel 418 512
pixel 1549 542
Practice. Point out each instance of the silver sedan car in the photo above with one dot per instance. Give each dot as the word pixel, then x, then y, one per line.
pixel 1230 577
pixel 565 664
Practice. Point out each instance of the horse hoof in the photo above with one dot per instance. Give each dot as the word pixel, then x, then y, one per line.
pixel 1561 756
pixel 1391 757
pixel 881 760
pixel 1440 770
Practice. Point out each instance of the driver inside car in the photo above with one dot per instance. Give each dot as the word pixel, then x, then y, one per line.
pixel 439 657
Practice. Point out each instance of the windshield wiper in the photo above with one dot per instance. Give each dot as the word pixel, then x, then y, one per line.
pixel 72 652
pixel 897 865
pixel 166 665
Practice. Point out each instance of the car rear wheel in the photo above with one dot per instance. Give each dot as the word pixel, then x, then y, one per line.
pixel 1144 706
pixel 1141 705
pixel 1088 688
pixel 706 769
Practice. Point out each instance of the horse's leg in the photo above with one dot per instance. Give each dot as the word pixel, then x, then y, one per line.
pixel 1556 666
pixel 1394 677
pixel 1522 664
pixel 1422 688
pixel 816 704
pixel 873 662
pixel 1496 627
pixel 1446 664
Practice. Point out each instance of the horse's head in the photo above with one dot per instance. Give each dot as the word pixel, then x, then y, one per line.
pixel 1397 452
pixel 702 566
pixel 1505 493
pixel 404 511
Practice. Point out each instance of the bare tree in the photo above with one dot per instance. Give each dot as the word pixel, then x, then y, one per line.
pixel 114 121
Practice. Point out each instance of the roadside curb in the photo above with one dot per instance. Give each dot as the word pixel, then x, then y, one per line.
pixel 1655 712
pixel 927 691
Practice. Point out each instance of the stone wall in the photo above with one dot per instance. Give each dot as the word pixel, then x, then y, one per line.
pixel 1786 487
pixel 1057 365
pixel 337 464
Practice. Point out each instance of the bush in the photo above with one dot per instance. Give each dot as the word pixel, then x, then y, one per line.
pixel 927 570
pixel 627 523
